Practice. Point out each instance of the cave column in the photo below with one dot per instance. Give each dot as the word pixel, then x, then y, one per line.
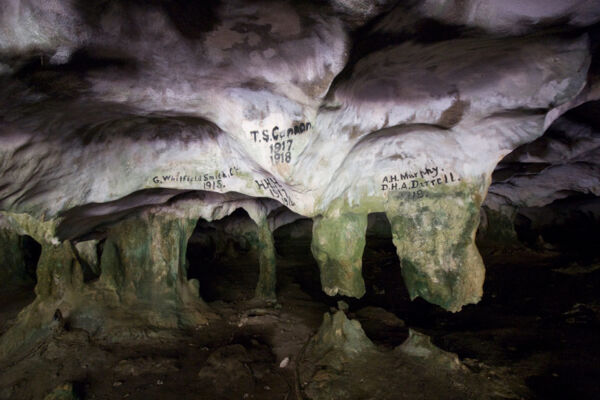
pixel 267 277
pixel 144 264
pixel 59 284
pixel 58 272
pixel 59 287
pixel 338 243
pixel 262 241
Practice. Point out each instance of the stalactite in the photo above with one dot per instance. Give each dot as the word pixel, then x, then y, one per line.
pixel 434 238
pixel 337 245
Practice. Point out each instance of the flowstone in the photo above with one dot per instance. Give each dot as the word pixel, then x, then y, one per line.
pixel 338 243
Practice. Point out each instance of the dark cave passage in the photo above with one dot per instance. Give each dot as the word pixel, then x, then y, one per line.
pixel 18 289
pixel 295 262
pixel 570 225
pixel 31 252
pixel 222 258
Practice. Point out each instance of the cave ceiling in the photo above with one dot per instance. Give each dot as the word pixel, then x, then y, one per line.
pixel 332 109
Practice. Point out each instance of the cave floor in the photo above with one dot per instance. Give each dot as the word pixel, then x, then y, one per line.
pixel 536 332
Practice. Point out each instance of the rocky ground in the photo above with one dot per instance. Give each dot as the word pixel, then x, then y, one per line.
pixel 533 336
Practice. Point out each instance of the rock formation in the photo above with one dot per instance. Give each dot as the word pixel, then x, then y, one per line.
pixel 128 122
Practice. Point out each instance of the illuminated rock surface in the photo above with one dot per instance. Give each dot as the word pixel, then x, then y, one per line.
pixel 250 104
pixel 124 124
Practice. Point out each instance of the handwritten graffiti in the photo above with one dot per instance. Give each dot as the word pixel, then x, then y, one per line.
pixel 276 190
pixel 276 134
pixel 427 177
pixel 411 195
pixel 280 140
pixel 281 152
pixel 209 181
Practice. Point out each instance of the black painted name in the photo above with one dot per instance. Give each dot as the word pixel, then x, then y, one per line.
pixel 207 181
pixel 275 134
pixel 415 180
pixel 276 190
pixel 280 141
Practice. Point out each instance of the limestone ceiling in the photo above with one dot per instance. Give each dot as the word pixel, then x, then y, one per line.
pixel 106 105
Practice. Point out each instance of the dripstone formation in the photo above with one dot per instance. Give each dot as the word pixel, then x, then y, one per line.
pixel 125 123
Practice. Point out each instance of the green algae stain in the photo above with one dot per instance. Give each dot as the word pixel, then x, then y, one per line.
pixel 434 239
pixel 337 245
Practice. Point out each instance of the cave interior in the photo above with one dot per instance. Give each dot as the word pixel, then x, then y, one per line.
pixel 310 199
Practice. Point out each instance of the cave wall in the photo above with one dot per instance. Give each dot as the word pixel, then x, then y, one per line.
pixel 553 181
pixel 134 123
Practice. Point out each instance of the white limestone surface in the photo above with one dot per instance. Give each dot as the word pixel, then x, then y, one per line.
pixel 330 109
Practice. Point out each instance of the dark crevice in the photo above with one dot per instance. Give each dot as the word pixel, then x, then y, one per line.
pixel 221 257
pixel 191 18
pixel 31 252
